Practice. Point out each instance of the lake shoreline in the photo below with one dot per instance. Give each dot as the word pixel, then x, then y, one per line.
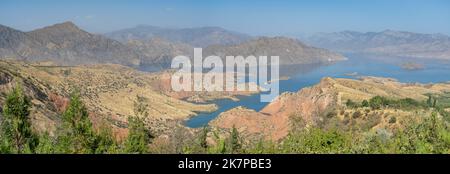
pixel 354 65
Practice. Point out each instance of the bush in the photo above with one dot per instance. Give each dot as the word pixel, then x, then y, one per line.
pixel 372 120
pixel 351 104
pixel 392 120
pixel 407 103
pixel 316 141
pixel 378 102
pixel 429 136
pixel 365 103
pixel 331 114
pixel 357 114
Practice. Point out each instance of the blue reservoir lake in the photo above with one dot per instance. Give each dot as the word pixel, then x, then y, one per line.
pixel 434 71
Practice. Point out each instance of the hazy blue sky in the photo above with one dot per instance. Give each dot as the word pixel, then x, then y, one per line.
pixel 255 17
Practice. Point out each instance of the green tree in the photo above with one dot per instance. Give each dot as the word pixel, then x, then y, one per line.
pixel 17 135
pixel 220 147
pixel 138 136
pixel 429 101
pixel 76 133
pixel 235 141
pixel 105 141
pixel 202 138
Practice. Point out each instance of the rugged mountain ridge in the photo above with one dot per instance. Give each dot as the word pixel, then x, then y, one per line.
pixel 198 37
pixel 67 44
pixel 14 43
pixel 64 44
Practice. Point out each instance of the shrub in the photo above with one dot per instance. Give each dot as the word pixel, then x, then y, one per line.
pixel 377 102
pixel 357 114
pixel 332 114
pixel 372 120
pixel 392 120
pixel 351 104
pixel 138 137
pixel 365 103
pixel 316 140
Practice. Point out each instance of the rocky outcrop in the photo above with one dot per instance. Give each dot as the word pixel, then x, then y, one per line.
pixel 314 105
pixel 273 121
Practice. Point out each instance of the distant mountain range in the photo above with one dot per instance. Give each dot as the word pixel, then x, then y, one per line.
pixel 159 51
pixel 67 44
pixel 290 51
pixel 388 42
pixel 198 37
pixel 64 44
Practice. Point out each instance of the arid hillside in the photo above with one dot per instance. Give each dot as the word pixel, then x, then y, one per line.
pixel 327 102
pixel 109 92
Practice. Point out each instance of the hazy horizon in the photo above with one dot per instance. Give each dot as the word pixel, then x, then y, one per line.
pixel 292 18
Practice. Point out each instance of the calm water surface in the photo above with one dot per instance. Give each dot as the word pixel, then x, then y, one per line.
pixel 434 71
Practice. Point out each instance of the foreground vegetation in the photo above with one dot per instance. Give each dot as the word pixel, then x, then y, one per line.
pixel 77 135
